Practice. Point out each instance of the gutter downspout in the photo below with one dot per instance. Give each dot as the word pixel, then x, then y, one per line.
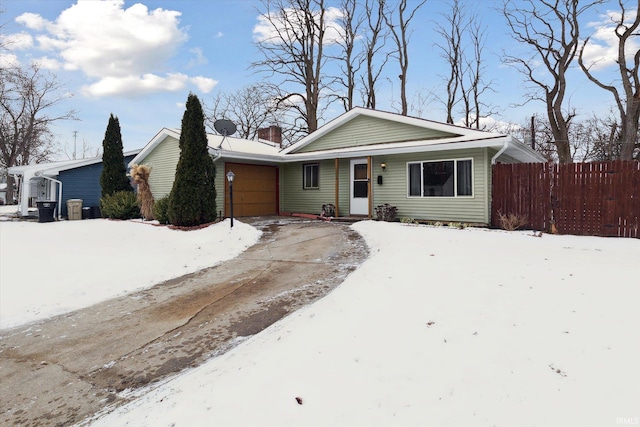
pixel 494 159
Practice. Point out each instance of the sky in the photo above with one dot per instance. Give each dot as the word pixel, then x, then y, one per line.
pixel 140 59
pixel 431 329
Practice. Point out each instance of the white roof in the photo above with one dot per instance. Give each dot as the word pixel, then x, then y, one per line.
pixel 54 168
pixel 461 138
pixel 228 147
pixel 267 151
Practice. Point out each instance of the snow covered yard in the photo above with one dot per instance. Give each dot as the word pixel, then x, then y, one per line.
pixel 48 269
pixel 439 327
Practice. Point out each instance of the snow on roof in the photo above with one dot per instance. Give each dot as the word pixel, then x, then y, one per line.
pixel 53 168
pixel 229 145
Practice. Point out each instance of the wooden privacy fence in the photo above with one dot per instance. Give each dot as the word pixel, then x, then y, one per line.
pixel 595 199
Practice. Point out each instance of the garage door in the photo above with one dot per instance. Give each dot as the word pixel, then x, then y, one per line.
pixel 255 190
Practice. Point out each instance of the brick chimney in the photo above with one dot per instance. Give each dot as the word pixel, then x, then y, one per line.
pixel 273 133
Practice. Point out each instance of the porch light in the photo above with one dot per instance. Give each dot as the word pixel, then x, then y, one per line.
pixel 383 165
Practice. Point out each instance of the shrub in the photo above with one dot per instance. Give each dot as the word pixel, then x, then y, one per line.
pixel 511 221
pixel 386 212
pixel 193 195
pixel 120 205
pixel 160 210
pixel 113 177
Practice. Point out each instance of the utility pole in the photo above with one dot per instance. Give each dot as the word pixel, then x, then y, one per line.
pixel 533 132
pixel 75 137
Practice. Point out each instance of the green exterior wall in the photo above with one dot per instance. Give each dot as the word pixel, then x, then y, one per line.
pixel 293 198
pixel 363 131
pixel 474 209
pixel 394 190
pixel 163 161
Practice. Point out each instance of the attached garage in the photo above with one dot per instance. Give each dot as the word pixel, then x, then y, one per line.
pixel 255 190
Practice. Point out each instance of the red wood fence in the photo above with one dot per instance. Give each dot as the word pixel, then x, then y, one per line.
pixel 595 199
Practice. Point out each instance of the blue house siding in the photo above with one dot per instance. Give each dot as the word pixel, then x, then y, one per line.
pixel 83 183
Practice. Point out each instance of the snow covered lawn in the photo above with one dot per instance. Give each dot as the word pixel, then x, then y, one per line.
pixel 48 269
pixel 438 327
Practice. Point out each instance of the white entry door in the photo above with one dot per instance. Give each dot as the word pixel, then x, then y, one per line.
pixel 359 187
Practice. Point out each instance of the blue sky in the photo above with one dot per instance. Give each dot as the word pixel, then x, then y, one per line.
pixel 140 59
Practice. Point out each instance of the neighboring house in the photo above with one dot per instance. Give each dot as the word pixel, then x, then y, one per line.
pixel 3 193
pixel 364 158
pixel 61 181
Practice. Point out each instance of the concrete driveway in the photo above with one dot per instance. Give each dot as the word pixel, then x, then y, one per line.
pixel 64 369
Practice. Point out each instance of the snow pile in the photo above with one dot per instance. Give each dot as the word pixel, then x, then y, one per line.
pixel 52 268
pixel 438 327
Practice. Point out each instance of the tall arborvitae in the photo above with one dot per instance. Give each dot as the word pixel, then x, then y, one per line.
pixel 193 197
pixel 114 172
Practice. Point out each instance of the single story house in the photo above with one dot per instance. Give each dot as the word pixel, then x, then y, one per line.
pixel 61 181
pixel 361 159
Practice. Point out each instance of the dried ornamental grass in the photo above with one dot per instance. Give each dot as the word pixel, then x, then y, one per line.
pixel 140 175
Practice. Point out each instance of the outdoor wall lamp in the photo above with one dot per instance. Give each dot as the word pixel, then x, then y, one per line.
pixel 230 176
pixel 383 165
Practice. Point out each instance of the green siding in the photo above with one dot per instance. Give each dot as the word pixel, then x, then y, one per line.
pixel 220 182
pixel 294 198
pixel 463 209
pixel 393 190
pixel 362 131
pixel 163 161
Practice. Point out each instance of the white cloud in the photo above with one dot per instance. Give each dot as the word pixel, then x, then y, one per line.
pixel 16 41
pixel 124 51
pixel 273 28
pixel 9 60
pixel 32 21
pixel 218 35
pixel 205 84
pixel 48 63
pixel 134 85
pixel 602 50
pixel 198 58
pixel 491 124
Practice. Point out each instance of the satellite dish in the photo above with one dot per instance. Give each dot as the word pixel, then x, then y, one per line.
pixel 225 127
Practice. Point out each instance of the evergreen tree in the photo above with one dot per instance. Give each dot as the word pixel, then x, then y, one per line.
pixel 114 172
pixel 193 197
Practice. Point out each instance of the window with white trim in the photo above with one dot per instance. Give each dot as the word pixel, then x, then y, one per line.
pixel 310 176
pixel 442 178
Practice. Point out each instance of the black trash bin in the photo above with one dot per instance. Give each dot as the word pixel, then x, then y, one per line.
pixel 45 210
pixel 87 213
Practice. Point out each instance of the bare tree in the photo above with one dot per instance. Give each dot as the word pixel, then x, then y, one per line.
pixel 375 40
pixel 475 108
pixel 250 108
pixel 451 31
pixel 349 58
pixel 293 50
pixel 398 24
pixel 628 103
pixel 551 29
pixel 71 151
pixel 26 98
pixel 463 37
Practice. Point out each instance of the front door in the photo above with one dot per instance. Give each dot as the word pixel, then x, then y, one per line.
pixel 359 188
